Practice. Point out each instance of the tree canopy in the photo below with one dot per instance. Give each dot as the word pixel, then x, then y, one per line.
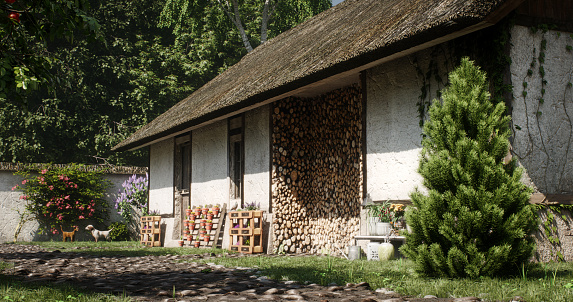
pixel 26 27
pixel 103 92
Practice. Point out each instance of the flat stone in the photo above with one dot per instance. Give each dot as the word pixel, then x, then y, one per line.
pixel 273 291
pixel 188 292
pixel 467 299
pixel 430 297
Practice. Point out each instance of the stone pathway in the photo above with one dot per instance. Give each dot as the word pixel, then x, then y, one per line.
pixel 157 278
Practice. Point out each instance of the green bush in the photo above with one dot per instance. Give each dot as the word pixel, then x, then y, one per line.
pixel 119 232
pixel 62 196
pixel 476 219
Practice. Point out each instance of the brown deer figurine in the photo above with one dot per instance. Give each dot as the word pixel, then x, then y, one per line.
pixel 70 235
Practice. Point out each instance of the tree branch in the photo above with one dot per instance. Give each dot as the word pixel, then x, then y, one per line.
pixel 235 17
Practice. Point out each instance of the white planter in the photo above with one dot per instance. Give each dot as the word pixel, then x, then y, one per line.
pixel 383 228
pixel 372 225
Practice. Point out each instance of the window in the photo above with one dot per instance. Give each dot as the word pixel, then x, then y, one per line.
pixel 236 159
pixel 182 167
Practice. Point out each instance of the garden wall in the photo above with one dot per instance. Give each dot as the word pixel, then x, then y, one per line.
pixel 10 203
pixel 317 171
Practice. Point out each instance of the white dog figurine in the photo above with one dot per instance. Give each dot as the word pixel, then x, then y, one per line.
pixel 97 233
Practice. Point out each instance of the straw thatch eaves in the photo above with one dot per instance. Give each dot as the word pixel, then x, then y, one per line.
pixel 332 46
pixel 106 169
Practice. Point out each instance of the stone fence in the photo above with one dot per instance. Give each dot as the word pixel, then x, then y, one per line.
pixel 10 202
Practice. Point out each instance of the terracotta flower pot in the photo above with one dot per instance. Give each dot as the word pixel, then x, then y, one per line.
pixel 206 238
pixel 205 211
pixel 192 227
pixel 197 243
pixel 185 232
pixel 189 238
pixel 180 242
pixel 203 222
pixel 209 227
pixel 209 216
pixel 192 216
pixel 188 212
pixel 197 212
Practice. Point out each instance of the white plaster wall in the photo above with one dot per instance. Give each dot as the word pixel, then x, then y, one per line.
pixel 161 177
pixel 257 157
pixel 10 203
pixel 210 184
pixel 543 142
pixel 393 134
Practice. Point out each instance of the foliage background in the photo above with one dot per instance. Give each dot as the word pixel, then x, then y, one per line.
pixel 103 92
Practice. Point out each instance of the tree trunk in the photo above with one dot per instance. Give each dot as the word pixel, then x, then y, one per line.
pixel 236 19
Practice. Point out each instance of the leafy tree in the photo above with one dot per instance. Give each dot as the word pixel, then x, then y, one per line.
pixel 476 219
pixel 110 91
pixel 26 26
pixel 107 93
pixel 267 18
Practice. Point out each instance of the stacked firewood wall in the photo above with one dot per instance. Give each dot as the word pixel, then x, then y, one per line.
pixel 317 171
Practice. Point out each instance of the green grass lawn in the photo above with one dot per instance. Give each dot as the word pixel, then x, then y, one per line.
pixel 535 282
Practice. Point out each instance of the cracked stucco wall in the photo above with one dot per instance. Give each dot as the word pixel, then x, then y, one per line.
pixel 543 130
pixel 393 133
pixel 542 112
pixel 257 157
pixel 161 177
pixel 210 184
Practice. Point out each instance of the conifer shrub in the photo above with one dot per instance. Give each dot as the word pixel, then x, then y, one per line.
pixel 475 219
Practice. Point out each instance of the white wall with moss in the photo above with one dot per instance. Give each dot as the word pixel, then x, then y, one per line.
pixel 542 113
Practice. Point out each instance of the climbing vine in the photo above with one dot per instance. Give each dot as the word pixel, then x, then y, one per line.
pixel 549 226
pixel 493 58
pixel 537 131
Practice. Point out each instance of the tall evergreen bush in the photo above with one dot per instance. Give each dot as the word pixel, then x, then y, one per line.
pixel 475 219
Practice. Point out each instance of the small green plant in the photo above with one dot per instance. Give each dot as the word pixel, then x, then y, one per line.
pixel 119 232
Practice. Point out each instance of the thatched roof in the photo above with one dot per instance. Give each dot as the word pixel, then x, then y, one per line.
pixel 349 37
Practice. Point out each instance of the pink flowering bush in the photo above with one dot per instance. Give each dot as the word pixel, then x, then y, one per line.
pixel 63 196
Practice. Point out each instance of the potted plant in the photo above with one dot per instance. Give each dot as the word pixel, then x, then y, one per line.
pixel 189 238
pixel 180 241
pixel 202 232
pixel 192 225
pixel 204 210
pixel 203 222
pixel 186 231
pixel 384 215
pixel 197 210
pixel 216 210
pixel 206 238
pixel 188 211
pixel 399 212
pixel 197 242
pixel 186 223
pixel 192 216
pixel 209 225
pixel 210 215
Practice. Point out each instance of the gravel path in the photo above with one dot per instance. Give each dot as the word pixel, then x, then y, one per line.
pixel 154 278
